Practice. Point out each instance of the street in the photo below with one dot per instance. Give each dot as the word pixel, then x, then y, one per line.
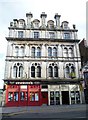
pixel 50 112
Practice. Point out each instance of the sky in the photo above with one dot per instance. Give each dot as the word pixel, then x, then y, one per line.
pixel 73 11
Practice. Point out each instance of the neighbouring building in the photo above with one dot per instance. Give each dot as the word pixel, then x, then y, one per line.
pixel 83 47
pixel 42 63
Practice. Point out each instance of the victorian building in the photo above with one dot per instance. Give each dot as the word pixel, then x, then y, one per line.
pixel 42 63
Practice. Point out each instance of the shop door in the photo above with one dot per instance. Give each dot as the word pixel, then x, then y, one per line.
pixel 44 97
pixel 65 97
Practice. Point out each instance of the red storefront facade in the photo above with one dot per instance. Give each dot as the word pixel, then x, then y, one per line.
pixel 25 95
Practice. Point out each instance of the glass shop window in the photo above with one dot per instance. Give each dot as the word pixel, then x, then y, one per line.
pixel 77 97
pixel 22 96
pixel 15 96
pixel 10 96
pixel 36 97
pixel 72 97
pixel 52 98
pixel 32 96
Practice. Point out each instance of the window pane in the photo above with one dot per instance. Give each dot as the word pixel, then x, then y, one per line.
pixel 38 71
pixel 21 51
pixel 67 72
pixel 15 96
pixel 32 71
pixel 36 97
pixel 15 71
pixel 38 52
pixel 32 96
pixel 36 34
pixel 66 36
pixel 22 96
pixel 10 96
pixel 55 71
pixel 50 70
pixel 33 52
pixel 16 51
pixel 54 52
pixel 20 71
pixel 49 52
pixel 20 34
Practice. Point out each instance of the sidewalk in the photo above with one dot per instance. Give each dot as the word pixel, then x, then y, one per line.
pixel 43 109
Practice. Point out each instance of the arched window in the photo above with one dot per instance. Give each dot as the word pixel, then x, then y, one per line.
pixel 72 72
pixel 54 52
pixel 33 52
pixel 16 51
pixel 32 71
pixel 18 70
pixel 50 71
pixel 38 71
pixel 38 52
pixel 49 52
pixel 67 72
pixel 21 51
pixel 55 71
pixel 65 52
pixel 15 71
pixel 70 52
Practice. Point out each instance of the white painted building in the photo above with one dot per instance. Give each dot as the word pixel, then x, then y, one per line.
pixel 46 52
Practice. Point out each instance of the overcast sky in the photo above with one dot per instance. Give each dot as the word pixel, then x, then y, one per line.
pixel 73 11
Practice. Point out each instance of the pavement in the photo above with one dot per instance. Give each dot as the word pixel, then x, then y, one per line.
pixel 43 108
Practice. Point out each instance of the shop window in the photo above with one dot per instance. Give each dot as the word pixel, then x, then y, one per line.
pixel 15 96
pixel 10 96
pixel 77 97
pixel 26 96
pixel 72 97
pixel 22 96
pixel 34 96
pixel 52 98
pixel 57 97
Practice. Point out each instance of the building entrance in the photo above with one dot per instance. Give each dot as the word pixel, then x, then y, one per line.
pixel 65 97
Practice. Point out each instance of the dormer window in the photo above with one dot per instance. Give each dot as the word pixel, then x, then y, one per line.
pixel 36 23
pixel 65 25
pixel 50 24
pixel 21 23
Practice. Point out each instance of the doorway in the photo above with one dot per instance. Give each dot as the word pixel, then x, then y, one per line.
pixel 65 97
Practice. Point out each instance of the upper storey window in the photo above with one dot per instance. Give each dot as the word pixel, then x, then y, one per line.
pixel 36 34
pixel 66 35
pixel 20 34
pixel 36 23
pixel 51 35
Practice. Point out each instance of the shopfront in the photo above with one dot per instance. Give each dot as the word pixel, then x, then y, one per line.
pixel 64 94
pixel 23 95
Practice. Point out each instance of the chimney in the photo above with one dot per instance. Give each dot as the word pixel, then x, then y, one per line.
pixel 57 19
pixel 29 16
pixel 43 20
